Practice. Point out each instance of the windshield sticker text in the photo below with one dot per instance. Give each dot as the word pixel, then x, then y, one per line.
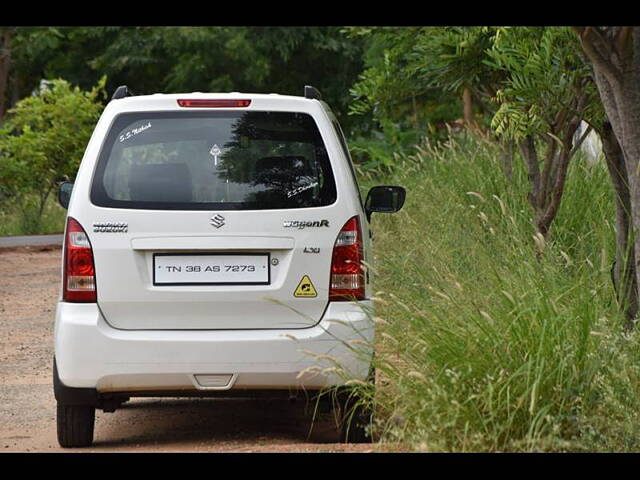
pixel 301 189
pixel 134 131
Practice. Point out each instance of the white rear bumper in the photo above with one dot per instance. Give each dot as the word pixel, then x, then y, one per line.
pixel 91 354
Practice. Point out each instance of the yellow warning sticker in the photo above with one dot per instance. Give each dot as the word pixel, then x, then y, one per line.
pixel 305 289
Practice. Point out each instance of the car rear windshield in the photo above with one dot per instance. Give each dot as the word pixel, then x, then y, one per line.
pixel 213 160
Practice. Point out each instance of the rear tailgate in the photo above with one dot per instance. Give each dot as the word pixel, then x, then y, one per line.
pixel 129 299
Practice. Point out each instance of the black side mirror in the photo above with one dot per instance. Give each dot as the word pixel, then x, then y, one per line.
pixel 64 193
pixel 384 199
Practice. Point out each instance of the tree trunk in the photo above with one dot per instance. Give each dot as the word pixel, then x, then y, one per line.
pixel 467 103
pixel 547 187
pixel 624 269
pixel 16 86
pixel 615 55
pixel 506 157
pixel 5 62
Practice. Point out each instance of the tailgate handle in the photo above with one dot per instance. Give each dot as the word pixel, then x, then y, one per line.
pixel 213 243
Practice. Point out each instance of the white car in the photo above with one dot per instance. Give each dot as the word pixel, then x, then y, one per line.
pixel 216 244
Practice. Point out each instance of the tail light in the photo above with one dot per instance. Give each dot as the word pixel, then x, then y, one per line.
pixel 213 103
pixel 79 277
pixel 347 274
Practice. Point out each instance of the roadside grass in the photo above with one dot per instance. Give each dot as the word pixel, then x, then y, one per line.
pixel 490 339
pixel 21 218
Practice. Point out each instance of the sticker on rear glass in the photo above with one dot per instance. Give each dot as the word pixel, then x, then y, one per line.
pixel 215 152
pixel 301 189
pixel 305 289
pixel 134 131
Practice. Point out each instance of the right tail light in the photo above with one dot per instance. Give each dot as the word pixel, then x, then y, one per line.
pixel 347 273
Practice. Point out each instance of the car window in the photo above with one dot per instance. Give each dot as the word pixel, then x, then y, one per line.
pixel 347 154
pixel 213 160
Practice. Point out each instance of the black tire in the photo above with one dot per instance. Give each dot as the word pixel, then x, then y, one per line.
pixel 75 425
pixel 356 420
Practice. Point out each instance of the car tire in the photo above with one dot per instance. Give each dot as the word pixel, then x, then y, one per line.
pixel 75 425
pixel 355 419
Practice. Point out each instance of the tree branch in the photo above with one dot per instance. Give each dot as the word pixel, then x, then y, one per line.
pixel 606 66
pixel 622 42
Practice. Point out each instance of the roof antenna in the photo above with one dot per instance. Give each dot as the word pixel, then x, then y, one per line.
pixel 121 92
pixel 312 92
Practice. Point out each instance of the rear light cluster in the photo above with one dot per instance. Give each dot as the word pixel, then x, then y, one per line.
pixel 79 275
pixel 347 273
pixel 219 103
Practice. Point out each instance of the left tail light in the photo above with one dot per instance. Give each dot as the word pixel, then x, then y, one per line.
pixel 79 276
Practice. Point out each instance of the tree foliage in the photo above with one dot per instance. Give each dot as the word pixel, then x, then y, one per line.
pixel 185 59
pixel 44 137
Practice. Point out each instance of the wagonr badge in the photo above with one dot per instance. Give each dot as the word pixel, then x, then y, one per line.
pixel 305 223
pixel 217 221
pixel 180 307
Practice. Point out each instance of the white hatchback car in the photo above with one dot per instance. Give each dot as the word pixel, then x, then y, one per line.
pixel 216 244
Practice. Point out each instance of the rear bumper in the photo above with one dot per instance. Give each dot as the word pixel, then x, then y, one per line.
pixel 91 354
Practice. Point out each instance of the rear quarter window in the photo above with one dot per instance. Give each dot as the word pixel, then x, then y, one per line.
pixel 213 160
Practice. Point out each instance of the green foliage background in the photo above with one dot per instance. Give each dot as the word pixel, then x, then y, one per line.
pixel 42 142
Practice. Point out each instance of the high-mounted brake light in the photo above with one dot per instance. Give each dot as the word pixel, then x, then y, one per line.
pixel 219 103
pixel 79 276
pixel 347 274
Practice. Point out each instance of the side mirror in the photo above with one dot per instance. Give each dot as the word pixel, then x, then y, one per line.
pixel 64 193
pixel 384 199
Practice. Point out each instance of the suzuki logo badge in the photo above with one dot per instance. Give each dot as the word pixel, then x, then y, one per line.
pixel 217 220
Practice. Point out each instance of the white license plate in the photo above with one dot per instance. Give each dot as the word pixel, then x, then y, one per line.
pixel 211 269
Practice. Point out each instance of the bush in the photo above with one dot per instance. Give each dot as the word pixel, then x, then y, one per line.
pixel 42 141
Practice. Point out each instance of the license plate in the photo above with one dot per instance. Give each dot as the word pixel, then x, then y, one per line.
pixel 211 269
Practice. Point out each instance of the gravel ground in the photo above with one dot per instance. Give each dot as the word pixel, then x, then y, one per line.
pixel 29 283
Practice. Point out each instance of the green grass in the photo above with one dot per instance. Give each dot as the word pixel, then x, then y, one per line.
pixel 22 219
pixel 483 345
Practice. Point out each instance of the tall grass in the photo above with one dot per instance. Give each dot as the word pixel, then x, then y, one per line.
pixel 490 339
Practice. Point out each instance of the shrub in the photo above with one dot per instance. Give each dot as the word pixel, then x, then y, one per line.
pixel 42 141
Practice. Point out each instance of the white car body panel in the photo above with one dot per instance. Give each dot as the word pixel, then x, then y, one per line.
pixel 89 353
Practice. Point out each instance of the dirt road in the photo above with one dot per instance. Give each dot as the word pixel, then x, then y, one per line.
pixel 29 282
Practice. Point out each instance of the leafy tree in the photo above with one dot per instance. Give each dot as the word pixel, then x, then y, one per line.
pixel 393 86
pixel 185 59
pixel 393 95
pixel 44 137
pixel 251 59
pixel 541 104
pixel 432 75
pixel 26 51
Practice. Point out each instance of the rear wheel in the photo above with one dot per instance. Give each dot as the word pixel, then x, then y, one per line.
pixel 75 425
pixel 356 415
pixel 356 419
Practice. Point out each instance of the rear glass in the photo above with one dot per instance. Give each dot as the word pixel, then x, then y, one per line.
pixel 213 160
